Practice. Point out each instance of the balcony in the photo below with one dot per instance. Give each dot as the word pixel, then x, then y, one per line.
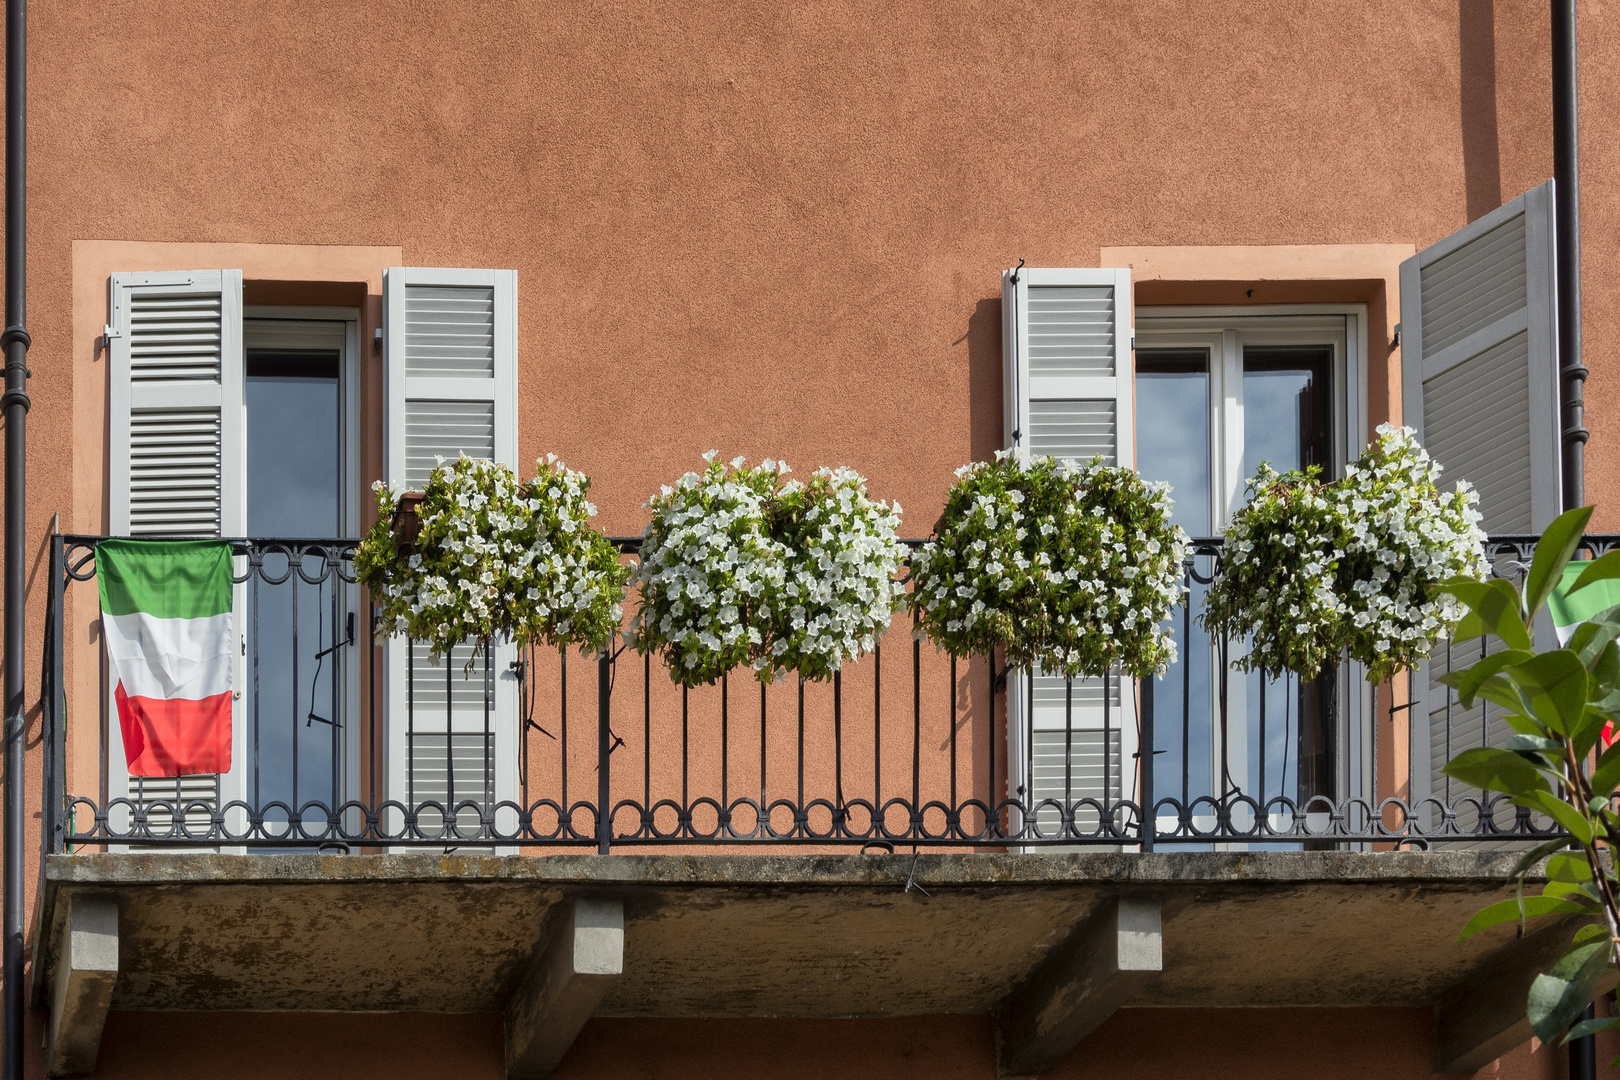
pixel 942 835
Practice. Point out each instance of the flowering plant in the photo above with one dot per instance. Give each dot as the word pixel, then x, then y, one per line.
pixel 1403 537
pixel 1311 570
pixel 496 557
pixel 840 588
pixel 739 566
pixel 709 569
pixel 1070 568
pixel 1276 584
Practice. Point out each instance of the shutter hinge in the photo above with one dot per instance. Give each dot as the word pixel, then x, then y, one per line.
pixel 376 340
pixel 1396 343
pixel 107 335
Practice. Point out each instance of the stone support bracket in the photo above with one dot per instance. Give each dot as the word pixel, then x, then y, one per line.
pixel 82 986
pixel 574 970
pixel 1108 958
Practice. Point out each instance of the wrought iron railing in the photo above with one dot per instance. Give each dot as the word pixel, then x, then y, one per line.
pixel 906 748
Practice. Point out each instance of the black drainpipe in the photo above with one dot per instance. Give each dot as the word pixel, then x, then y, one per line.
pixel 1567 217
pixel 1567 227
pixel 14 405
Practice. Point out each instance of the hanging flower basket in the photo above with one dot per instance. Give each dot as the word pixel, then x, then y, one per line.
pixel 1070 568
pixel 406 523
pixel 741 567
pixel 1313 571
pixel 478 556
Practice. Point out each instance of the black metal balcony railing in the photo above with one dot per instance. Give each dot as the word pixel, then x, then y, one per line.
pixel 905 748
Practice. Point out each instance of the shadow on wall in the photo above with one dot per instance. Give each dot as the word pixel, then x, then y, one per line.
pixel 983 341
pixel 1482 159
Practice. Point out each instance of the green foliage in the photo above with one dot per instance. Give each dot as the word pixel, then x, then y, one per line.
pixel 496 558
pixel 1312 570
pixel 1073 569
pixel 1558 702
pixel 740 567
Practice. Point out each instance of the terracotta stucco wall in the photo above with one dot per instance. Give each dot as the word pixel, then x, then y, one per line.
pixel 777 230
pixel 1229 1044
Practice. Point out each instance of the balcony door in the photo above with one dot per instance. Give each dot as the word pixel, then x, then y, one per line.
pixel 1216 395
pixel 301 622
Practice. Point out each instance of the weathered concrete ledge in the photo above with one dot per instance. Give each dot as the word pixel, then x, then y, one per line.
pixel 813 935
pixel 1462 868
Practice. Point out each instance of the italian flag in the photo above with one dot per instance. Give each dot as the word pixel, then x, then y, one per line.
pixel 166 618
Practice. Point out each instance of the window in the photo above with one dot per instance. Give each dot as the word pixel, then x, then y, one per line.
pixel 245 423
pixel 1217 393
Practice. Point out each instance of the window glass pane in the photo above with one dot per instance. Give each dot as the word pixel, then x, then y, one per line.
pixel 293 491
pixel 1172 430
pixel 1173 445
pixel 1287 408
pixel 1287 423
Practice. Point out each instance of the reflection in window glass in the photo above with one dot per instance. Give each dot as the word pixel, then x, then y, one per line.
pixel 293 491
pixel 1172 430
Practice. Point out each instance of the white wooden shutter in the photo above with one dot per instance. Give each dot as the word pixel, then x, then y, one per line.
pixel 450 380
pixel 1479 361
pixel 1067 381
pixel 176 451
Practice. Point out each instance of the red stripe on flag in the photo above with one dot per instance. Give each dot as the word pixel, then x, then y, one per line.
pixel 175 737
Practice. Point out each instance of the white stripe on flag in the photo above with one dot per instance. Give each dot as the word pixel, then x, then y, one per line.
pixel 185 659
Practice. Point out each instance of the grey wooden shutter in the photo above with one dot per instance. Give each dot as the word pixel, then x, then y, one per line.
pixel 450 380
pixel 175 447
pixel 1067 382
pixel 1479 361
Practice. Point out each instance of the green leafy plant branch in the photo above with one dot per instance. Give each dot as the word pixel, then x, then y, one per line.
pixel 1557 701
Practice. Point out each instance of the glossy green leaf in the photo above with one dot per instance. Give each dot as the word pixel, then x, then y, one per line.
pixel 1575 893
pixel 1606 777
pixel 1585 734
pixel 1605 668
pixel 1555 685
pixel 1591 932
pixel 1569 866
pixel 1533 743
pixel 1510 911
pixel 1560 811
pixel 1494 608
pixel 1501 689
pixel 1592 1027
pixel 1601 568
pixel 1553 552
pixel 1558 998
pixel 1496 770
pixel 1468 680
pixel 1544 850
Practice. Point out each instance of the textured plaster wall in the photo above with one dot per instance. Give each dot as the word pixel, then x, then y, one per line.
pixel 1231 1044
pixel 776 230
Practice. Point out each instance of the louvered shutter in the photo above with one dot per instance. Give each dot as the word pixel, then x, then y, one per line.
pixel 450 379
pixel 1067 377
pixel 175 450
pixel 1479 359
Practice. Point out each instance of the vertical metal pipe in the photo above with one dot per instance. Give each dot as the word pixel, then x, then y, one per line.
pixel 1567 227
pixel 604 750
pixel 1145 763
pixel 14 406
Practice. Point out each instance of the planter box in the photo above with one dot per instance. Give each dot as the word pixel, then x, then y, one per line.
pixel 407 523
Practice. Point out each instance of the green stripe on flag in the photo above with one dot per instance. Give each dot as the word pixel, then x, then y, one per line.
pixel 167 579
pixel 1568 610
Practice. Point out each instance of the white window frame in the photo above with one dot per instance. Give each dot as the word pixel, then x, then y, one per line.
pixel 1224 331
pixel 267 325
